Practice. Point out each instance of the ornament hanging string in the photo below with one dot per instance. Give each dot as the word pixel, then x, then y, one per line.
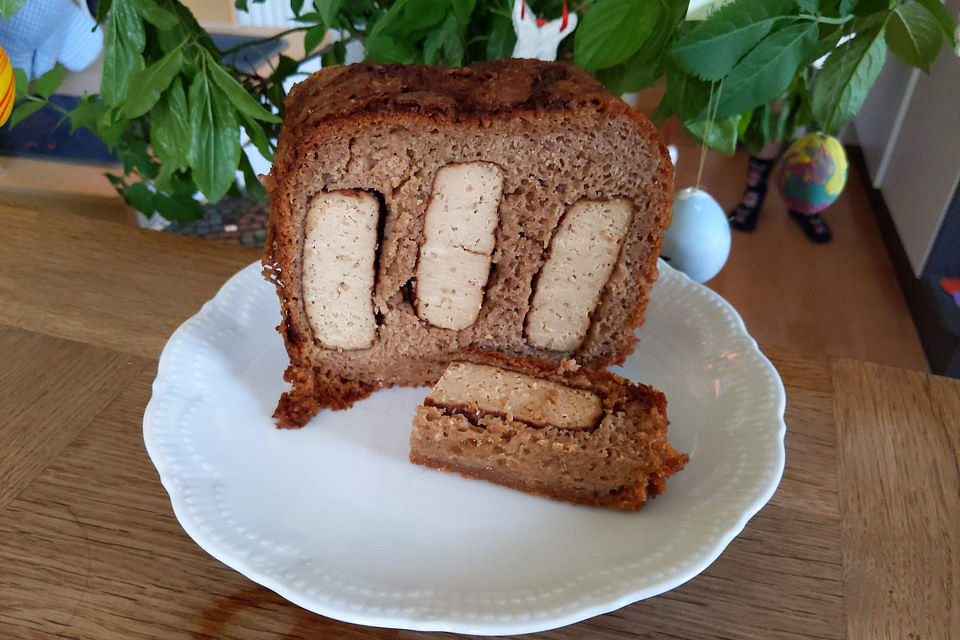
pixel 712 106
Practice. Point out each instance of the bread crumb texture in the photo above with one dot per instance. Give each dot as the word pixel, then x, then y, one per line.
pixel 541 447
pixel 519 209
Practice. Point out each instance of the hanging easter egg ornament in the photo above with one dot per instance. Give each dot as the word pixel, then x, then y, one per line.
pixel 538 38
pixel 7 87
pixel 698 240
pixel 812 173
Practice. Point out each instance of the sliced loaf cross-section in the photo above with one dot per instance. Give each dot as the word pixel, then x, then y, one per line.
pixel 418 213
pixel 590 438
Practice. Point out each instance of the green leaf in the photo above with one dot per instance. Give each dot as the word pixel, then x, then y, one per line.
pixel 712 48
pixel 410 18
pixel 10 7
pixel 170 128
pixel 462 10
pixel 286 66
pixel 121 53
pixel 443 45
pixel 336 55
pixel 21 84
pixel 311 17
pixel 845 7
pixel 251 183
pixel 502 40
pixel 744 123
pixel 146 86
pixel 181 184
pixel 672 13
pixel 135 154
pixel 236 94
pixel 86 113
pixel 257 136
pixel 49 82
pixel 834 8
pixel 386 50
pixel 139 196
pixel 767 70
pixel 633 74
pixel 686 96
pixel 870 7
pixel 783 124
pixel 758 131
pixel 721 135
pixel 944 20
pixel 162 181
pixel 846 78
pixel 296 6
pixel 827 43
pixel 913 34
pixel 214 143
pixel 152 12
pixel 313 37
pixel 178 208
pixel 328 10
pixel 116 181
pixel 103 8
pixel 130 21
pixel 396 35
pixel 23 110
pixel 111 125
pixel 189 26
pixel 803 116
pixel 612 30
pixel 645 66
pixel 173 38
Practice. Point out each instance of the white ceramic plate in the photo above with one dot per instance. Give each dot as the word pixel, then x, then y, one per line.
pixel 334 518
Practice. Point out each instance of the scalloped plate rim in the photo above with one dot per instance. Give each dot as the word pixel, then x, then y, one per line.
pixel 577 614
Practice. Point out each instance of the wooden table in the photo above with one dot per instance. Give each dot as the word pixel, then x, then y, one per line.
pixel 862 539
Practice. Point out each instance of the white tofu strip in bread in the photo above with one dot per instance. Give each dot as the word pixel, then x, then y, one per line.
pixel 339 258
pixel 459 238
pixel 582 254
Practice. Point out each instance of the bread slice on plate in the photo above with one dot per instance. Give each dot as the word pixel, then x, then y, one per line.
pixel 586 437
pixel 511 206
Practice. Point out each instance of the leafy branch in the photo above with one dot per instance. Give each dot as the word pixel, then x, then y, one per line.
pixel 173 106
pixel 761 50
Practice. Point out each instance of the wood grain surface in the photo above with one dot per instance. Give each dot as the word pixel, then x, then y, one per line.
pixel 104 283
pixel 840 299
pixel 897 434
pixel 860 540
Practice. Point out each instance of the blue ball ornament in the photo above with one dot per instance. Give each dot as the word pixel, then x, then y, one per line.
pixel 698 240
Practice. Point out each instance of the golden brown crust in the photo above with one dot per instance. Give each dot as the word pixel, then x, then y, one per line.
pixel 361 97
pixel 452 94
pixel 629 498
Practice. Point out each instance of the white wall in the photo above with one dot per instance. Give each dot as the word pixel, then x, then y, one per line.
pixel 909 129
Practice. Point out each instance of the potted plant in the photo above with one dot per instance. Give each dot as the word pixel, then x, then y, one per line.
pixel 172 106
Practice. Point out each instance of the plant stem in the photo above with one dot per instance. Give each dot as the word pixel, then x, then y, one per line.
pixel 824 19
pixel 46 101
pixel 276 36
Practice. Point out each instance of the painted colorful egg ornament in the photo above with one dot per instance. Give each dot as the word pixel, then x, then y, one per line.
pixel 812 173
pixel 6 87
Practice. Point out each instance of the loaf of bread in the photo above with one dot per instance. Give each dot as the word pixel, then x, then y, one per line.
pixel 416 212
pixel 585 437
